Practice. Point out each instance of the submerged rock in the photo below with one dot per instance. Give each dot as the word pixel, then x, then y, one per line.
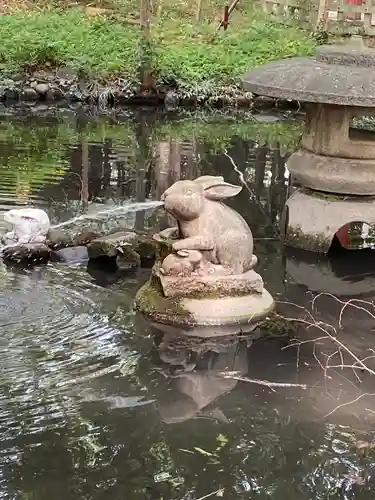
pixel 71 255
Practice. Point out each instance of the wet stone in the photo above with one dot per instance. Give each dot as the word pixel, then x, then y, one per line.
pixel 42 88
pixel 146 247
pixel 113 245
pixel 29 94
pixel 127 259
pixel 71 255
pixel 171 99
pixel 29 253
pixel 54 94
pixel 10 94
pixel 59 239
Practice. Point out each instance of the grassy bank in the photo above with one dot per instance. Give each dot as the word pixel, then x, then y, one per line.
pixel 103 50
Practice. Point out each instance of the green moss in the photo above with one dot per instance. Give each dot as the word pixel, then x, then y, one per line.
pixel 319 243
pixel 277 326
pixel 151 302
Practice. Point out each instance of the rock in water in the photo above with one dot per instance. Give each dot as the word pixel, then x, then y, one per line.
pixel 119 246
pixel 57 239
pixel 72 255
pixel 27 253
pixel 29 94
pixel 42 88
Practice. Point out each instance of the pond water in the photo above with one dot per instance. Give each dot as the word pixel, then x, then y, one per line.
pixel 94 405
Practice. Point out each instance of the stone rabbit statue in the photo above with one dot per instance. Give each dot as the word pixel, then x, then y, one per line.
pixel 30 225
pixel 208 225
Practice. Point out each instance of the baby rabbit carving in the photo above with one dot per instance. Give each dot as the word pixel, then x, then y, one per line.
pixel 207 225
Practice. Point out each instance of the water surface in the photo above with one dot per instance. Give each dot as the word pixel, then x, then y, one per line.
pixel 95 405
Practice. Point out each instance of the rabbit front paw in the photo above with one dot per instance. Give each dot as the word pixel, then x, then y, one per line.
pixel 193 243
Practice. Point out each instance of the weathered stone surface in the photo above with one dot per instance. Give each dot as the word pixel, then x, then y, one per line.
pixel 313 220
pixel 54 94
pixel 144 243
pixel 29 94
pixel 207 225
pixel 31 252
pixel 341 75
pixel 71 254
pixel 171 100
pixel 127 259
pixel 42 88
pixel 333 175
pixel 57 238
pixel 112 245
pixel 10 94
pixel 241 313
pixel 328 132
pixel 145 246
pixel 203 271
pixel 210 285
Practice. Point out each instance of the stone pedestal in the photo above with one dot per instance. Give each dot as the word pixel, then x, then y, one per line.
pixel 205 315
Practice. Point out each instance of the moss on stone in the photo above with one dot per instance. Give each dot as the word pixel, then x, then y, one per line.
pixel 151 302
pixel 277 326
pixel 318 243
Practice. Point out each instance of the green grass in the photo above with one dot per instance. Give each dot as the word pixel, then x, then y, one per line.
pixel 91 46
pixel 251 42
pixel 182 50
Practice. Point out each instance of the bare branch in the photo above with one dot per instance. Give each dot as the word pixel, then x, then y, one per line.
pixel 233 376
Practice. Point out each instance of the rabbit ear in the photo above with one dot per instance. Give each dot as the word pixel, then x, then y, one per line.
pixel 209 179
pixel 221 191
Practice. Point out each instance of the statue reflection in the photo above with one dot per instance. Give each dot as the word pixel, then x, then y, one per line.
pixel 194 367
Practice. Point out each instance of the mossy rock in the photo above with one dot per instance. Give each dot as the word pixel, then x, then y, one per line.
pixel 146 246
pixel 277 326
pixel 29 253
pixel 127 259
pixel 58 239
pixel 151 302
pixel 163 248
pixel 296 238
pixel 112 245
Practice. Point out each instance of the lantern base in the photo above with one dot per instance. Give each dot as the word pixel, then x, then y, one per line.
pixel 312 219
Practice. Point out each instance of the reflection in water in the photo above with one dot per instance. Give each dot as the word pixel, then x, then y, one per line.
pixel 195 369
pixel 93 404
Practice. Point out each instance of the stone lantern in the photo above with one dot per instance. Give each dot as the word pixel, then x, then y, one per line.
pixel 334 168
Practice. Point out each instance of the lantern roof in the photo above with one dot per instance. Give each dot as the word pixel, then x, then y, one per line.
pixel 342 74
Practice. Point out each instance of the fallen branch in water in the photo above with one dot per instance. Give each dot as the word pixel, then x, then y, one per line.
pixel 331 333
pixel 218 492
pixel 347 403
pixel 268 383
